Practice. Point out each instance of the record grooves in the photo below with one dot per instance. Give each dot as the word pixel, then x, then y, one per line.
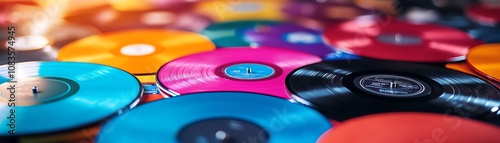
pixel 347 89
pixel 62 92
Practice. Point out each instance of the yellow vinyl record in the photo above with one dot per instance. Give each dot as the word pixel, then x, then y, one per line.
pixel 147 78
pixel 241 9
pixel 137 51
pixel 485 60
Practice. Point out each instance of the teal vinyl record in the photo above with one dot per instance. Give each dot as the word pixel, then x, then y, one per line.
pixel 51 97
pixel 231 34
pixel 213 117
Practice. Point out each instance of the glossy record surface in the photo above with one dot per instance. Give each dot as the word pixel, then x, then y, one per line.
pixel 328 86
pixel 180 76
pixel 231 34
pixel 393 40
pixel 235 10
pixel 140 125
pixel 103 91
pixel 485 60
pixel 289 36
pixel 168 45
pixel 412 127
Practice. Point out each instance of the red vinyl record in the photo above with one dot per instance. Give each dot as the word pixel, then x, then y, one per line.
pixel 239 69
pixel 392 39
pixel 411 128
pixel 486 14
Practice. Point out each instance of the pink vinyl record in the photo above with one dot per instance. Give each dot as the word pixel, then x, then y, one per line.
pixel 245 69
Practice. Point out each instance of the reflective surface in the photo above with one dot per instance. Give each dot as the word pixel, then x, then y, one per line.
pixel 103 91
pixel 155 123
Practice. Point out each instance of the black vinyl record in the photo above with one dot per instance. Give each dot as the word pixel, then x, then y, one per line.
pixel 351 88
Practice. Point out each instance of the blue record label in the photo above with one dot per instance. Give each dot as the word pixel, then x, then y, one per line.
pixel 151 89
pixel 302 38
pixel 249 71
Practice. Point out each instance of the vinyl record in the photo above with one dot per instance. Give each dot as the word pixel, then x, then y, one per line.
pixel 138 5
pixel 231 34
pixel 329 10
pixel 484 13
pixel 8 14
pixel 393 40
pixel 261 70
pixel 236 10
pixel 263 119
pixel 107 19
pixel 71 94
pixel 427 15
pixel 151 93
pixel 291 36
pixel 486 34
pixel 29 44
pixel 135 51
pixel 484 59
pixel 346 89
pixel 387 6
pixel 412 127
pixel 462 67
pixel 147 78
pixel 465 68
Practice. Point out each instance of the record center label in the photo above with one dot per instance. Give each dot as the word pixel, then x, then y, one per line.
pixel 137 50
pixel 390 85
pixel 38 90
pixel 302 38
pixel 26 43
pixel 150 89
pixel 249 71
pixel 399 39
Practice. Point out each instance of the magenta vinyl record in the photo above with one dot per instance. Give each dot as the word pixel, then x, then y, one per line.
pixel 245 69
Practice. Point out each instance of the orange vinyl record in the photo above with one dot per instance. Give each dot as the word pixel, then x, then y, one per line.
pixel 465 68
pixel 135 51
pixel 234 10
pixel 462 67
pixel 484 59
pixel 411 128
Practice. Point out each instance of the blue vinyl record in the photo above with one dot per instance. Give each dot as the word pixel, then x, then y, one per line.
pixel 48 97
pixel 486 34
pixel 217 117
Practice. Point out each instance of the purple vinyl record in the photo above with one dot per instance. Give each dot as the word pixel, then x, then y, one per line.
pixel 294 37
pixel 329 10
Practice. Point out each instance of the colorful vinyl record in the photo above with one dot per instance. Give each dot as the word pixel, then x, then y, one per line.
pixel 147 78
pixel 138 5
pixel 264 119
pixel 346 89
pixel 236 10
pixel 30 46
pixel 387 6
pixel 412 127
pixel 393 40
pixel 261 70
pixel 291 36
pixel 462 67
pixel 107 19
pixel 429 15
pixel 151 93
pixel 465 68
pixel 135 51
pixel 231 34
pixel 486 34
pixel 484 59
pixel 485 14
pixel 71 94
pixel 329 10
